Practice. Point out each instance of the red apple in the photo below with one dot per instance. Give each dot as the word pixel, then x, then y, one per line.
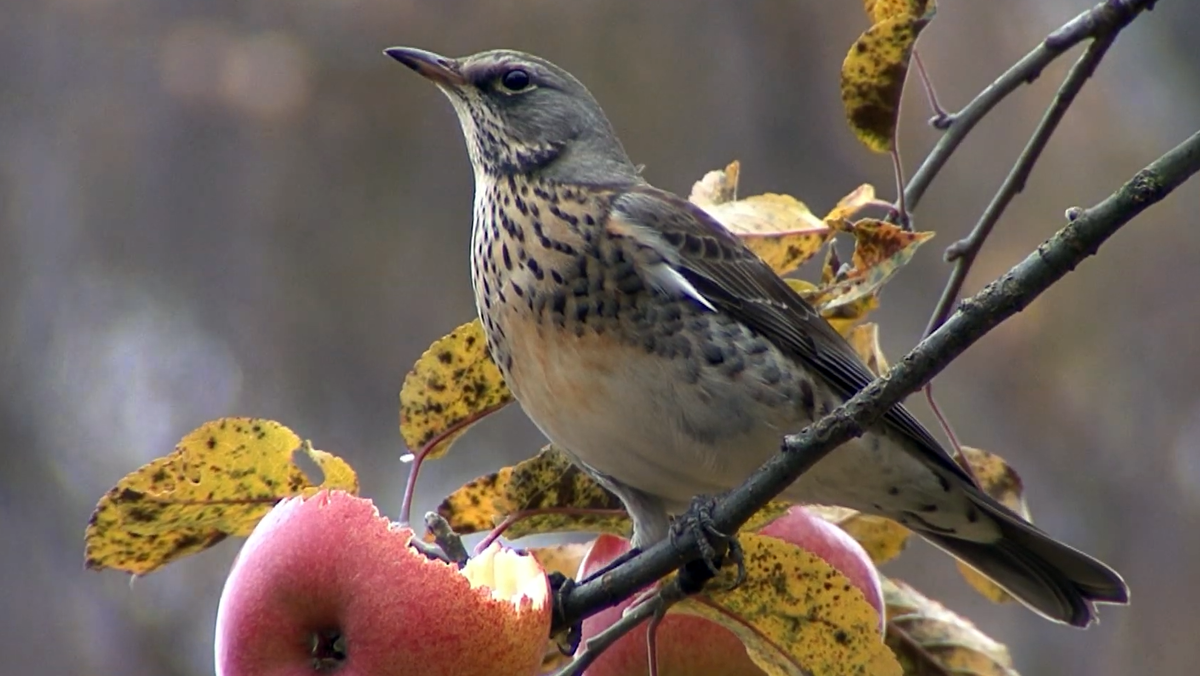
pixel 686 645
pixel 327 584
pixel 693 645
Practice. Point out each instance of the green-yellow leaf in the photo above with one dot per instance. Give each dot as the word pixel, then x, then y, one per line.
pixel 873 79
pixel 929 639
pixel 796 614
pixel 882 10
pixel 451 387
pixel 219 481
pixel 548 491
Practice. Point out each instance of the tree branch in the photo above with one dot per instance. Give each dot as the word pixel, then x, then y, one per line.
pixel 964 251
pixel 975 317
pixel 1106 18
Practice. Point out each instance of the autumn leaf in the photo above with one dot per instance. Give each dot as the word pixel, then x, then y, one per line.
pixel 219 481
pixel 780 229
pixel 1002 482
pixel 796 614
pixel 880 250
pixel 874 71
pixel 929 639
pixel 842 317
pixel 717 187
pixel 882 10
pixel 548 492
pixel 864 338
pixel 451 387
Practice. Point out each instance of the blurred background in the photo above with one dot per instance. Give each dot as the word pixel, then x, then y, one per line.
pixel 224 208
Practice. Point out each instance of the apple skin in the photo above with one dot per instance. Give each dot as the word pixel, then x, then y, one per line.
pixel 690 645
pixel 686 645
pixel 326 584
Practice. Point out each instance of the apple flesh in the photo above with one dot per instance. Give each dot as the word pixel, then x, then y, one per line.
pixel 326 584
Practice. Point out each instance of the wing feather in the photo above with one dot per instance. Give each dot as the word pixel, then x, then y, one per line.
pixel 731 278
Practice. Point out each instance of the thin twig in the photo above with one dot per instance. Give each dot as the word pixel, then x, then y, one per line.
pixel 653 607
pixel 941 119
pixel 964 251
pixel 975 317
pixel 1107 17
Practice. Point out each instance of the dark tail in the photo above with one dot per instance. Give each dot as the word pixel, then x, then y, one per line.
pixel 1052 579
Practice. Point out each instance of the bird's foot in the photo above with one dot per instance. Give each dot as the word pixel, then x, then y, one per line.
pixel 567 639
pixel 715 547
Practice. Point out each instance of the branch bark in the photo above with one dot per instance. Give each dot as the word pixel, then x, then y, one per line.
pixel 975 317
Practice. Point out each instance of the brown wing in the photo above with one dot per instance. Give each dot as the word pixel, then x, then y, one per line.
pixel 736 281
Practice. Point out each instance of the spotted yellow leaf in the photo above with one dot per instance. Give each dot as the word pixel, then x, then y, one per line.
pixel 547 492
pixel 843 317
pixel 451 387
pixel 882 10
pixel 873 76
pixel 796 614
pixel 219 481
pixel 780 229
pixel 929 639
pixel 880 250
pixel 1002 482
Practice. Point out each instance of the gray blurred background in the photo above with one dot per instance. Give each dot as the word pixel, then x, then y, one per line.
pixel 244 208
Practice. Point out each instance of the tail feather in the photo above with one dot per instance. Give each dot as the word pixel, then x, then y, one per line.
pixel 1051 578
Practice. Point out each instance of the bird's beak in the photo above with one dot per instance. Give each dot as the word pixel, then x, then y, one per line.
pixel 441 70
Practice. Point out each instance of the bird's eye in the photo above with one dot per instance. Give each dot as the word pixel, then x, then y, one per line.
pixel 516 80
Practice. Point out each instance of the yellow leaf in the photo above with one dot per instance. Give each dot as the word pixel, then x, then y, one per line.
pixel 864 338
pixel 219 481
pixel 882 10
pixel 451 387
pixel 780 229
pixel 873 79
pixel 796 614
pixel 717 187
pixel 846 207
pixel 548 492
pixel 929 639
pixel 883 539
pixel 880 250
pixel 843 317
pixel 1002 482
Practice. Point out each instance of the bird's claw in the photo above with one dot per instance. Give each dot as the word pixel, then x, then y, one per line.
pixel 699 521
pixel 567 639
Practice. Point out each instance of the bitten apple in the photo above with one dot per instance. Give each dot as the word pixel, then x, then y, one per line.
pixel 326 584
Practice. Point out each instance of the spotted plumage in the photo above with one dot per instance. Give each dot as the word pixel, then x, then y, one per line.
pixel 645 340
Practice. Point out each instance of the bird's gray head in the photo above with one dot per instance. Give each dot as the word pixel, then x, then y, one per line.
pixel 524 115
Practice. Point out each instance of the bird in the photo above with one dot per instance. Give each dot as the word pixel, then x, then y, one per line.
pixel 668 360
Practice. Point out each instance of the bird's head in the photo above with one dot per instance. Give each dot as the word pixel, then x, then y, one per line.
pixel 524 115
